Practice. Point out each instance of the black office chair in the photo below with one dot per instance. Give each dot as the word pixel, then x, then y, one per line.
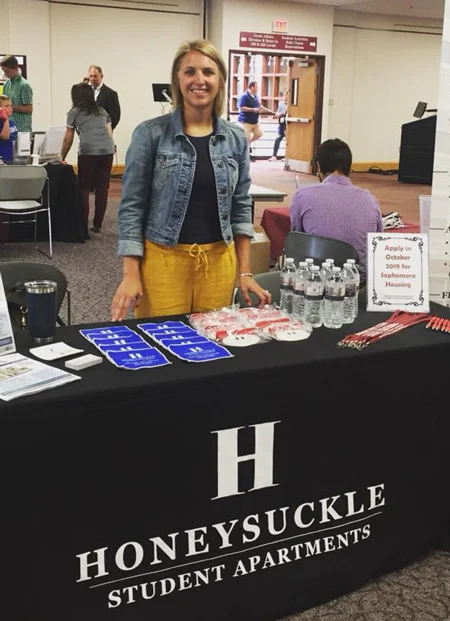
pixel 15 274
pixel 267 280
pixel 300 246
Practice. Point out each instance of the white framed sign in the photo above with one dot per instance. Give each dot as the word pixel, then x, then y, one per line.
pixel 397 272
pixel 7 344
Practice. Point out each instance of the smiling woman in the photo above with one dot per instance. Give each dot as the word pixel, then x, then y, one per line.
pixel 185 213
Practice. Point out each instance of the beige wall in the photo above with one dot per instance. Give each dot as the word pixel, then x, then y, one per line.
pixel 248 15
pixel 29 34
pixel 134 48
pixel 378 75
pixel 373 75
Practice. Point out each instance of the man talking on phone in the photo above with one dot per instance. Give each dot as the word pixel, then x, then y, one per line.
pixel 104 96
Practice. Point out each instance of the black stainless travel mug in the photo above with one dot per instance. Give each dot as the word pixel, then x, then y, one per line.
pixel 41 310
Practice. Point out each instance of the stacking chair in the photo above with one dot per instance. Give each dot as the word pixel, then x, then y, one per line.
pixel 21 189
pixel 300 246
pixel 267 280
pixel 15 274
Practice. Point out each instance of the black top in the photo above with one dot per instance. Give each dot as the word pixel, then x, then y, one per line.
pixel 201 223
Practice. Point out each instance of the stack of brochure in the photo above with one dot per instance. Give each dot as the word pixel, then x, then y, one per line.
pixel 20 376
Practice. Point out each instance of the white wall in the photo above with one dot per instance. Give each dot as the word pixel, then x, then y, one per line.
pixel 134 48
pixel 132 51
pixel 248 15
pixel 377 77
pixel 29 34
pixel 439 233
pixel 373 75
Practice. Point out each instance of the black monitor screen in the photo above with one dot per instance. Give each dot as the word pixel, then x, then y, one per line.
pixel 160 91
pixel 420 109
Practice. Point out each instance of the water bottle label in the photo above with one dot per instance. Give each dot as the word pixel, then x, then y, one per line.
pixel 315 289
pixel 284 287
pixel 334 298
pixel 299 289
pixel 350 290
pixel 314 298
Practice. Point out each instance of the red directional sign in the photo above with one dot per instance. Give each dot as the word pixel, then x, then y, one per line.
pixel 266 40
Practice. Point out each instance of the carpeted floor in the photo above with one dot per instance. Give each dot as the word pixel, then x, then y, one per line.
pixel 392 195
pixel 420 592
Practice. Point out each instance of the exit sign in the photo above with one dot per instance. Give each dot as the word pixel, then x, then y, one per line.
pixel 278 26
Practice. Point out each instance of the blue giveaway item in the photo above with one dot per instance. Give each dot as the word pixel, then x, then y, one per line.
pixel 138 359
pixel 90 333
pixel 201 352
pixel 155 327
pixel 181 340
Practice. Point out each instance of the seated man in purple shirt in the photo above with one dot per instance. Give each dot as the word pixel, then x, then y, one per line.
pixel 336 208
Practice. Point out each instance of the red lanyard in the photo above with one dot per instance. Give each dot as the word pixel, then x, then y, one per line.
pixel 397 322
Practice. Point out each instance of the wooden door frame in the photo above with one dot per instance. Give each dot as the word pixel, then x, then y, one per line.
pixel 320 83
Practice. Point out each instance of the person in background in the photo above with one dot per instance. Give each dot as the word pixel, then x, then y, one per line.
pixel 280 114
pixel 96 150
pixel 8 135
pixel 336 208
pixel 186 212
pixel 250 109
pixel 19 92
pixel 105 97
pixel 8 130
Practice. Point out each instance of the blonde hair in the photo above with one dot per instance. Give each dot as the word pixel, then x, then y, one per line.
pixel 208 49
pixel 4 98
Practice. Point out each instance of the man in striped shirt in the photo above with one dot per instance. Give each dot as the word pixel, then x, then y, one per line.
pixel 336 208
pixel 19 92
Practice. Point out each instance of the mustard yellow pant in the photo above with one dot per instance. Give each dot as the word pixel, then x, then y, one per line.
pixel 186 278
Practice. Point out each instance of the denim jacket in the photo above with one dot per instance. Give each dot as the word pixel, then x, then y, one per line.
pixel 157 183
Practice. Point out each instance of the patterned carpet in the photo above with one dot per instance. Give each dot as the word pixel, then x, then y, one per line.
pixel 420 592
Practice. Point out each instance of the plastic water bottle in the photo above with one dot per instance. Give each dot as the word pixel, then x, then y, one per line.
pixel 325 271
pixel 287 285
pixel 313 298
pixel 298 294
pixel 351 299
pixel 358 282
pixel 309 263
pixel 333 315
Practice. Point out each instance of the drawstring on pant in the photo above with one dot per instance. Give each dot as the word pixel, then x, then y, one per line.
pixel 200 256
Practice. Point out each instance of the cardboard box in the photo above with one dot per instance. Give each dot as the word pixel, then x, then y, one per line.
pixel 260 252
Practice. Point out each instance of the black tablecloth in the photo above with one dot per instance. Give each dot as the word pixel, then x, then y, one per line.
pixel 97 471
pixel 66 209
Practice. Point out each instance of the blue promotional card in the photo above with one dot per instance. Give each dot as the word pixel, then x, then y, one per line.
pixel 179 339
pixel 118 335
pixel 138 359
pixel 90 333
pixel 131 347
pixel 105 344
pixel 163 334
pixel 154 327
pixel 200 352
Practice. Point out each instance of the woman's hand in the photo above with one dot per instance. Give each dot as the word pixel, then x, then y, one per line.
pixel 127 295
pixel 3 114
pixel 249 285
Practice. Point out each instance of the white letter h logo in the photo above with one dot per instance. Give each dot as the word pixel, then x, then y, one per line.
pixel 228 459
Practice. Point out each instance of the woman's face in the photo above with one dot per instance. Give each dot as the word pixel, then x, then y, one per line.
pixel 198 78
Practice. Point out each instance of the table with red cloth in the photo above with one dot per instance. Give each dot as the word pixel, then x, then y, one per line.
pixel 276 222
